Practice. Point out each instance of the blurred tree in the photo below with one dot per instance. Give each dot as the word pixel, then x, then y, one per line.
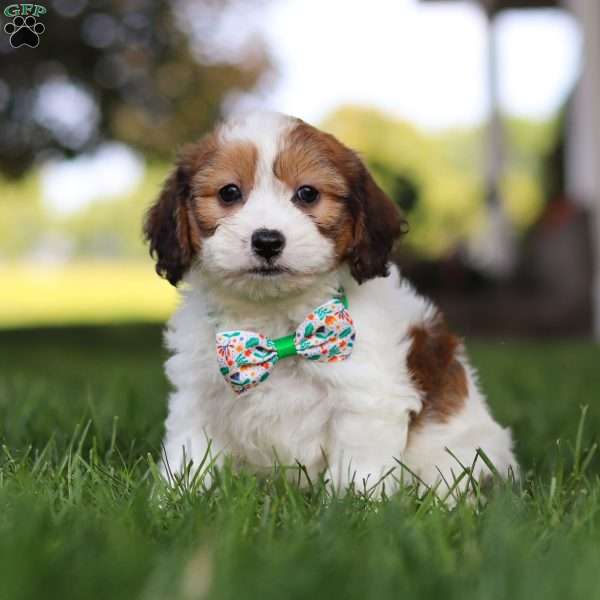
pixel 148 72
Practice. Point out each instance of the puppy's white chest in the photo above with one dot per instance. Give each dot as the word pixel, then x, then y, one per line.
pixel 285 419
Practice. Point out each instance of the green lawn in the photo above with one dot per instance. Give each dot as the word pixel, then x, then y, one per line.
pixel 83 514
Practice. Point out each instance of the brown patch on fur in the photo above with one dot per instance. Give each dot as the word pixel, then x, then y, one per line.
pixel 436 371
pixel 312 157
pixel 352 211
pixel 188 207
pixel 233 163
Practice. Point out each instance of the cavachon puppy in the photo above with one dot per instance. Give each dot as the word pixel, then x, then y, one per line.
pixel 295 340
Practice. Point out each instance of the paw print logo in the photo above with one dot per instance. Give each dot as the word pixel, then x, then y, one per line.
pixel 24 31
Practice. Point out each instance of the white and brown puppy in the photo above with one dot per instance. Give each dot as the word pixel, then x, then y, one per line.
pixel 262 221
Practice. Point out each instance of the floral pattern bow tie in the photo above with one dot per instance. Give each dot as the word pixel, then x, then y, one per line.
pixel 246 358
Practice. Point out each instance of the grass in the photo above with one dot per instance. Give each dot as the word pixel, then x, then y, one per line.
pixel 84 515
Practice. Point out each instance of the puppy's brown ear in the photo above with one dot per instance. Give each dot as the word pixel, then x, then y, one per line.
pixel 167 226
pixel 377 224
pixel 170 227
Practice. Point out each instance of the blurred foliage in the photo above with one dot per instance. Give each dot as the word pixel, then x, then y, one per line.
pixel 107 228
pixel 136 70
pixel 437 178
pixel 112 228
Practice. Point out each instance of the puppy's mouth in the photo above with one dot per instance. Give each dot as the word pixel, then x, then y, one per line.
pixel 268 271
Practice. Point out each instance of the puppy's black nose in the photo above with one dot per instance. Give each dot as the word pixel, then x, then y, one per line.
pixel 267 243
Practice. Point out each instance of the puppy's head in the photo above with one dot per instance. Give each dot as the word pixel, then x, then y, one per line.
pixel 266 204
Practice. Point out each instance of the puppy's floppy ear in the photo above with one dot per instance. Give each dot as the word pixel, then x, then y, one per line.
pixel 167 226
pixel 170 227
pixel 377 224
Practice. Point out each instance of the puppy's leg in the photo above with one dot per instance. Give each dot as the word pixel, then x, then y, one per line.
pixel 189 453
pixel 438 451
pixel 362 450
pixel 189 449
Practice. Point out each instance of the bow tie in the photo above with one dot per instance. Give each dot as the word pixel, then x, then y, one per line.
pixel 246 358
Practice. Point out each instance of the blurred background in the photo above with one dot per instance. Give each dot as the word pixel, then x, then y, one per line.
pixel 481 120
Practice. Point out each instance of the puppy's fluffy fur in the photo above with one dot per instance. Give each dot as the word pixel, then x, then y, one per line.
pixel 406 394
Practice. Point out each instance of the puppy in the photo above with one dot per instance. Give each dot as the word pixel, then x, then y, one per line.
pixel 268 223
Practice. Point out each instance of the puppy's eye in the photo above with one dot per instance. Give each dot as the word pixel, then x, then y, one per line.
pixel 230 194
pixel 307 194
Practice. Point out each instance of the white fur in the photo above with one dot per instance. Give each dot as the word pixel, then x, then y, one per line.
pixel 351 417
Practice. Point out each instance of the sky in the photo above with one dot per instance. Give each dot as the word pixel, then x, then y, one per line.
pixel 423 62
